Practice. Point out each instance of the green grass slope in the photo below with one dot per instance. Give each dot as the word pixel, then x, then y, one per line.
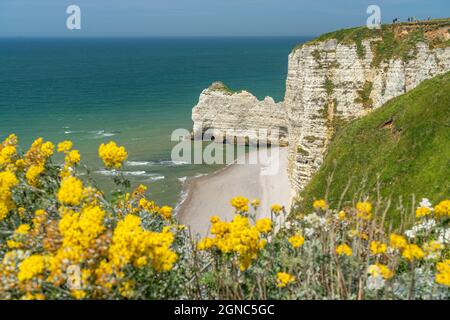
pixel 404 146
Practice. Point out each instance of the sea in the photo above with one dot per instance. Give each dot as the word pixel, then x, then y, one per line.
pixel 132 91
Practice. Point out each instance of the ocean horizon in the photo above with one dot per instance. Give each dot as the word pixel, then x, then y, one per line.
pixel 135 91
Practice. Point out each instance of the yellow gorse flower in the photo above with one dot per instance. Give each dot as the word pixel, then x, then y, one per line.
pixel 256 203
pixel 364 210
pixel 276 209
pixel 112 155
pixel 240 204
pixel 413 252
pixel 320 204
pixel 264 225
pixel 398 241
pixel 166 212
pixel 8 181
pixel 442 209
pixel 377 247
pixel 423 212
pixel 31 267
pixel 296 241
pixel 71 192
pixel 342 215
pixel 22 229
pixel 380 270
pixel 73 157
pixel 133 245
pixel 65 146
pixel 33 174
pixel 283 279
pixel 344 249
pixel 237 237
pixel 443 273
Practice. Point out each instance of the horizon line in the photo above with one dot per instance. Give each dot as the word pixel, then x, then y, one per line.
pixel 156 37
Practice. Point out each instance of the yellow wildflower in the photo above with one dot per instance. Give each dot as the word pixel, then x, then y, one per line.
pixel 442 209
pixel 47 149
pixel 431 248
pixel 283 279
pixel 33 174
pixel 320 204
pixel 398 241
pixel 413 252
pixel 65 146
pixel 377 247
pixel 240 204
pixel 276 209
pixel 72 158
pixel 379 269
pixel 205 244
pixel 256 203
pixel 112 155
pixel 422 212
pixel 31 267
pixel 364 210
pixel 264 225
pixel 296 241
pixel 130 242
pixel 8 180
pixel 22 229
pixel 166 212
pixel 344 249
pixel 78 294
pixel 443 273
pixel 71 191
pixel 342 215
pixel 149 206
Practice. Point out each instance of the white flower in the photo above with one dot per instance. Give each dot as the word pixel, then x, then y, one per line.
pixel 411 234
pixel 425 203
pixel 288 225
pixel 314 220
pixel 444 236
pixel 375 283
pixel 426 225
pixel 308 232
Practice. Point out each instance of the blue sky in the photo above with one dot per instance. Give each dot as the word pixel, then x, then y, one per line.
pixel 150 18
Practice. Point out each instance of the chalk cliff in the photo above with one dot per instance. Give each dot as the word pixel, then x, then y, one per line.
pixel 240 114
pixel 332 80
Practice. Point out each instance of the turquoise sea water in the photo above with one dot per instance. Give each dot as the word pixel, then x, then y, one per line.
pixel 133 91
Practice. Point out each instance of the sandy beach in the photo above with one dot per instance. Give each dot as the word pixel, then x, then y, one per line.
pixel 266 179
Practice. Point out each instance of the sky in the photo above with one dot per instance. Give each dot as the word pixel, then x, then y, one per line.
pixel 187 18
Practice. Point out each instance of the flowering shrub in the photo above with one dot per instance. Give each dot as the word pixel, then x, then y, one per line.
pixel 61 238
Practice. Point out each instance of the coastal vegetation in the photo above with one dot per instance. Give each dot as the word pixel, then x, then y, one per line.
pixel 63 238
pixel 400 150
pixel 391 41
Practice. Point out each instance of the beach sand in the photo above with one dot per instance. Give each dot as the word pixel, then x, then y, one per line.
pixel 210 195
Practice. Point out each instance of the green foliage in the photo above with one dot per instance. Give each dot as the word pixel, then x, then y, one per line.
pixel 329 86
pixel 404 145
pixel 386 45
pixel 364 95
pixel 220 86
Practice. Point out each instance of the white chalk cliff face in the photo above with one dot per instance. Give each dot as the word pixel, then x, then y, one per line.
pixel 328 84
pixel 239 114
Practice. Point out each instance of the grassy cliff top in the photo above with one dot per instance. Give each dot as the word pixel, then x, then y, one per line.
pixel 220 86
pixel 395 40
pixel 404 146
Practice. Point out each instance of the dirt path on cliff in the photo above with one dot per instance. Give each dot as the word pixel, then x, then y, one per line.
pixel 210 195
